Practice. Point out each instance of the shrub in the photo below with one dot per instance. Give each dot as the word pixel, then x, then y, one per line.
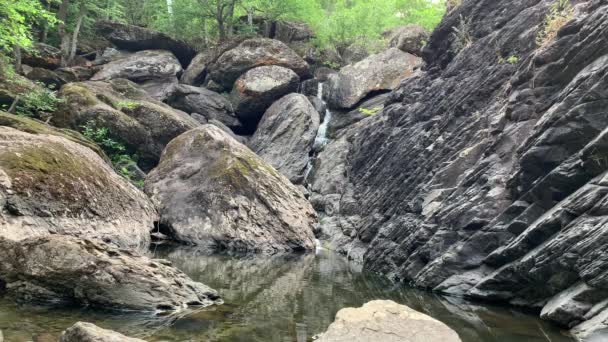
pixel 370 111
pixel 38 102
pixel 463 37
pixel 559 15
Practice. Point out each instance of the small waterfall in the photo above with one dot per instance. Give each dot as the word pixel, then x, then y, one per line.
pixel 321 139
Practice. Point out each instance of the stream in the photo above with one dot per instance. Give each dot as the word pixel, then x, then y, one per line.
pixel 277 298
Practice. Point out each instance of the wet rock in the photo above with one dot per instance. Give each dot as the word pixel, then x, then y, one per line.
pixel 286 134
pixel 213 191
pixel 47 77
pixel 409 38
pixel 47 182
pixel 135 38
pixel 88 332
pixel 196 72
pixel 379 72
pixel 385 320
pixel 63 270
pixel 207 103
pixel 254 53
pixel 258 88
pixel 143 124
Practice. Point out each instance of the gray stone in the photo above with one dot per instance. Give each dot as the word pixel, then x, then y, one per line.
pixel 286 134
pixel 196 72
pixel 47 77
pixel 213 191
pixel 88 332
pixel 387 321
pixel 63 270
pixel 409 38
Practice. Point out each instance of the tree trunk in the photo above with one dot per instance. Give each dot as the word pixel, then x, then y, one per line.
pixel 17 58
pixel 45 30
pixel 62 15
pixel 81 14
pixel 229 18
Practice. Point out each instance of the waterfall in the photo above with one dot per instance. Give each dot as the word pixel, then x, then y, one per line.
pixel 321 138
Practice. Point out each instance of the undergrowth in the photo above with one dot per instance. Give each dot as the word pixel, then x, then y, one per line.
pixel 559 15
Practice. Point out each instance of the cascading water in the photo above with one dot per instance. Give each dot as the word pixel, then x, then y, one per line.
pixel 321 139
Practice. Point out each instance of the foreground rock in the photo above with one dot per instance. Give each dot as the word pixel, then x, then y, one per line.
pixel 131 116
pixel 135 38
pixel 254 53
pixel 213 191
pixel 50 184
pixel 379 72
pixel 63 270
pixel 87 332
pixel 387 321
pixel 258 88
pixel 286 134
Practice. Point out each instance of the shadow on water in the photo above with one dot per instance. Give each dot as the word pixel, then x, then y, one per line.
pixel 278 298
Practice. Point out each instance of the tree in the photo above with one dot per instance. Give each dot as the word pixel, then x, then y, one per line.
pixel 17 18
pixel 222 11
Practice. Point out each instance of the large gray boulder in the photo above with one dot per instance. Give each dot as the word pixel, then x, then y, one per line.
pixel 379 72
pixel 52 183
pixel 291 31
pixel 135 38
pixel 409 38
pixel 213 191
pixel 387 321
pixel 258 88
pixel 254 53
pixel 131 116
pixel 63 270
pixel 88 332
pixel 205 102
pixel 196 71
pixel 285 136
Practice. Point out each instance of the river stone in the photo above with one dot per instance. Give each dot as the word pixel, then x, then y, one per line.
pixel 211 105
pixel 379 72
pixel 213 191
pixel 258 88
pixel 387 321
pixel 135 38
pixel 254 53
pixel 286 134
pixel 409 38
pixel 131 116
pixel 53 185
pixel 88 332
pixel 64 270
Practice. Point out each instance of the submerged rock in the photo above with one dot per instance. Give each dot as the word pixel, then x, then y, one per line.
pixel 379 72
pixel 63 270
pixel 286 134
pixel 213 191
pixel 254 53
pixel 52 184
pixel 258 88
pixel 88 332
pixel 387 321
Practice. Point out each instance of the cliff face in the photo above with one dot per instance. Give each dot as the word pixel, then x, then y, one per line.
pixel 485 175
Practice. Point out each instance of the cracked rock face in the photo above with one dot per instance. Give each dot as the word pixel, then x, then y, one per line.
pixel 213 191
pixel 487 179
pixel 385 320
pixel 63 270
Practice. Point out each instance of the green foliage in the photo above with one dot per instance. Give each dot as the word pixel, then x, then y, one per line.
pixel 130 105
pixel 463 37
pixel 37 102
pixel 559 15
pixel 17 18
pixel 370 111
pixel 513 59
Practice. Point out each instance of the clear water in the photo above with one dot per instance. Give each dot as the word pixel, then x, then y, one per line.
pixel 278 298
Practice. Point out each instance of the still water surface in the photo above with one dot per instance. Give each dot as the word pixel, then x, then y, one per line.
pixel 281 298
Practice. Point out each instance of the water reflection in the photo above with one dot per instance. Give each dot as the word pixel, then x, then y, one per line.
pixel 277 298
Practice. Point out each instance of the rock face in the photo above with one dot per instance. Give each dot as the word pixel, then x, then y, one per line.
pixel 135 38
pixel 258 88
pixel 379 72
pixel 409 38
pixel 63 270
pixel 47 181
pixel 254 53
pixel 385 320
pixel 487 179
pixel 205 102
pixel 87 332
pixel 213 191
pixel 131 116
pixel 286 134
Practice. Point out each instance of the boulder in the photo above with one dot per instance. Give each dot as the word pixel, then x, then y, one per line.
pixel 286 134
pixel 88 332
pixel 367 108
pixel 215 192
pixel 379 72
pixel 143 124
pixel 52 184
pixel 205 102
pixel 258 88
pixel 196 72
pixel 49 78
pixel 387 321
pixel 77 73
pixel 160 89
pixel 42 56
pixel 135 38
pixel 291 31
pixel 63 270
pixel 254 53
pixel 409 38
pixel 354 53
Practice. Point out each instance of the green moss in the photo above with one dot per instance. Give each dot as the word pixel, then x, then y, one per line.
pixel 129 105
pixel 78 95
pixel 235 170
